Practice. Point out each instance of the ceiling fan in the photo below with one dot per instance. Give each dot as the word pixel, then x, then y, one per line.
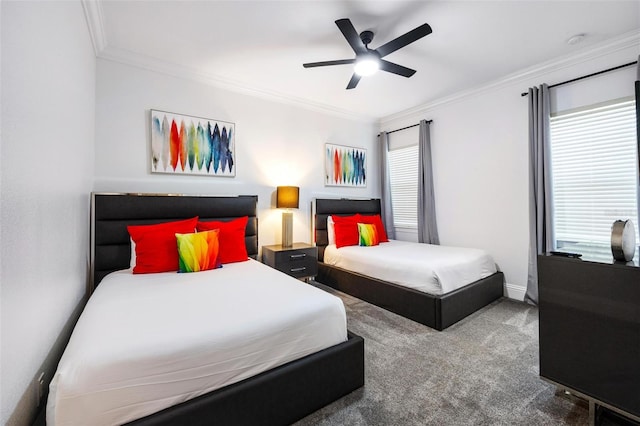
pixel 368 61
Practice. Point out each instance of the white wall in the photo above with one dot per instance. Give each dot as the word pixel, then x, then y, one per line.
pixel 48 102
pixel 276 143
pixel 480 159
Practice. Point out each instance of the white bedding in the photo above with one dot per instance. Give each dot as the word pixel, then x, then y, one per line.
pixel 428 268
pixel 148 342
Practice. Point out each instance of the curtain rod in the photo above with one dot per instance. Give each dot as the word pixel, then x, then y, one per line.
pixel 587 76
pixel 405 128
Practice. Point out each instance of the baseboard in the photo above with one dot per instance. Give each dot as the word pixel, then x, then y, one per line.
pixel 516 292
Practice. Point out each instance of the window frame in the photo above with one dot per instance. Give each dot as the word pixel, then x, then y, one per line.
pixel 595 125
pixel 405 202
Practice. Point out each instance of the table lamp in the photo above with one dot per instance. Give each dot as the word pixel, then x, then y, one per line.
pixel 287 198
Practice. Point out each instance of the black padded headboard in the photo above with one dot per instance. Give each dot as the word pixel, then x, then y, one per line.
pixel 339 207
pixel 111 213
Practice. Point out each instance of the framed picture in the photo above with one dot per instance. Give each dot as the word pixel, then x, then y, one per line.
pixel 345 166
pixel 185 145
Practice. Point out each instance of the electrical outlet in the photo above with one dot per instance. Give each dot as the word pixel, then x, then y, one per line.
pixel 40 388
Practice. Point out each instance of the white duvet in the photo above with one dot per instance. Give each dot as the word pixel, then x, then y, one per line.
pixel 148 342
pixel 428 268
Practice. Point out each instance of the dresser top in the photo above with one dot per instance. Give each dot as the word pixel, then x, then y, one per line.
pixel 295 246
pixel 601 259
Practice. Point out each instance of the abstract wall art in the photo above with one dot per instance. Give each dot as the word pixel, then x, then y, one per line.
pixel 345 166
pixel 181 144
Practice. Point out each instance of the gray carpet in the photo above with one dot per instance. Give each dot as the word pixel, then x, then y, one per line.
pixel 481 371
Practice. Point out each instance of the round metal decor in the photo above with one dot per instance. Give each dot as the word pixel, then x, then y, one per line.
pixel 623 240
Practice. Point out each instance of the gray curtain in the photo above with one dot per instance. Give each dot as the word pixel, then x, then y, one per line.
pixel 541 238
pixel 427 225
pixel 638 134
pixel 385 184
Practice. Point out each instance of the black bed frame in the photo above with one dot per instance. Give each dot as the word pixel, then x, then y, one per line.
pixel 279 396
pixel 435 311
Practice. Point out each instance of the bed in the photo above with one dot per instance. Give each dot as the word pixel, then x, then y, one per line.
pixel 437 311
pixel 281 381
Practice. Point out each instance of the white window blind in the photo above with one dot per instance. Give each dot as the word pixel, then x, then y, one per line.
pixel 403 174
pixel 593 166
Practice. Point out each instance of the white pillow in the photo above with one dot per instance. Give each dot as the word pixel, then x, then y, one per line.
pixel 132 264
pixel 331 232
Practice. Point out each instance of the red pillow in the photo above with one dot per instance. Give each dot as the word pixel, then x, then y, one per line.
pixel 375 220
pixel 232 233
pixel 353 218
pixel 156 249
pixel 346 230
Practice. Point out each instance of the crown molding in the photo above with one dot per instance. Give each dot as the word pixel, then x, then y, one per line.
pixel 624 41
pixel 93 15
pixel 180 71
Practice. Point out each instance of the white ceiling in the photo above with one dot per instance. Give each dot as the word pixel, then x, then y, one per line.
pixel 261 45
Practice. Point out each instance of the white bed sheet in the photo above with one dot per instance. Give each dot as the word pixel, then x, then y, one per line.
pixel 428 268
pixel 148 342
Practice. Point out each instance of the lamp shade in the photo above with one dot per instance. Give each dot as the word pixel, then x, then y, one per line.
pixel 287 197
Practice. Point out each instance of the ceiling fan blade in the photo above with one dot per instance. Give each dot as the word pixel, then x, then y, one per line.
pixel 327 63
pixel 403 40
pixel 350 33
pixel 396 69
pixel 354 81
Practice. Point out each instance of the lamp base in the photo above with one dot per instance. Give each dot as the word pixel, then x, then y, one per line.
pixel 287 229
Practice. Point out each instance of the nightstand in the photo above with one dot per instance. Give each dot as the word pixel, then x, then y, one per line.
pixel 299 260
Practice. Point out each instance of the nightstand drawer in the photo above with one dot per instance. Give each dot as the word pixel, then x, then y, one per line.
pixel 296 255
pixel 299 268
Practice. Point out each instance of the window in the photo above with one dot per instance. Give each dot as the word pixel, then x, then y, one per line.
pixel 403 174
pixel 594 174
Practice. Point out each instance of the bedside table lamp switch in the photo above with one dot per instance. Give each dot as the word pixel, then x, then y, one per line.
pixel 287 197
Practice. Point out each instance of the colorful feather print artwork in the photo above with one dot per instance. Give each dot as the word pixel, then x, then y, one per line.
pixel 156 142
pixel 345 166
pixel 192 147
pixel 165 153
pixel 174 147
pixel 181 144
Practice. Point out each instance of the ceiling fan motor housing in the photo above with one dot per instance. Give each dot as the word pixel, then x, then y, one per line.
pixel 366 37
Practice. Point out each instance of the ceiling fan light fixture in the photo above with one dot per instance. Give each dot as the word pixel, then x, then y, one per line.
pixel 366 66
pixel 368 61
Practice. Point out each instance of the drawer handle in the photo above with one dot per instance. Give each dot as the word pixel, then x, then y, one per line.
pixel 298 269
pixel 297 256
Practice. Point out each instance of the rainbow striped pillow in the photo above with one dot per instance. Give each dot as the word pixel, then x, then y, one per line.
pixel 198 251
pixel 368 235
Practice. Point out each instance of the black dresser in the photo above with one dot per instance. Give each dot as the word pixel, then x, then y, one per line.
pixel 590 330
